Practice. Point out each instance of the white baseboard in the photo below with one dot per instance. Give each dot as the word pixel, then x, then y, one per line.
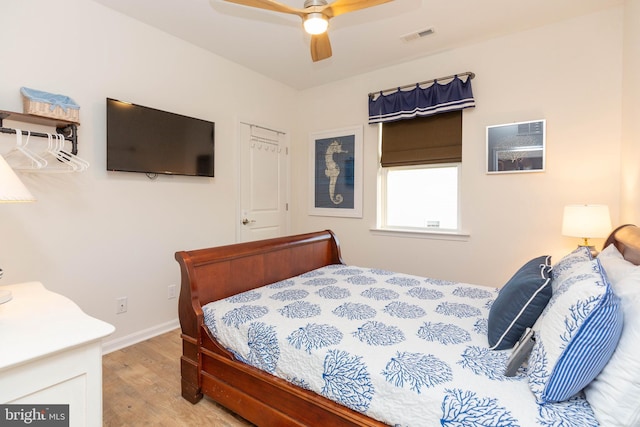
pixel 117 344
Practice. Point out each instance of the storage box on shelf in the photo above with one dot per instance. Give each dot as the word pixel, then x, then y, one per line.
pixel 50 105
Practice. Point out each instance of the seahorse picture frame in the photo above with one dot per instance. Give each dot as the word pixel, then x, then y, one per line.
pixel 335 162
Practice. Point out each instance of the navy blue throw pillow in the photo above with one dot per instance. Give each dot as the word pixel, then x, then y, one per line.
pixel 519 303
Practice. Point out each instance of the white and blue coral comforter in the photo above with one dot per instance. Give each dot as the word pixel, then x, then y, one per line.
pixel 405 350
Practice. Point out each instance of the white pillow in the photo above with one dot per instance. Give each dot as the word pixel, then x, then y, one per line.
pixel 575 335
pixel 615 265
pixel 613 394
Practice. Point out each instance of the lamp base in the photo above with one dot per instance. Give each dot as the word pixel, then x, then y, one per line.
pixel 592 249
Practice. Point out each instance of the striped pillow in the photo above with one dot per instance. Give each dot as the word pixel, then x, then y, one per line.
pixel 575 335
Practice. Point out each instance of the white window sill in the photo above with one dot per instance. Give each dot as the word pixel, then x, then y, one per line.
pixel 422 233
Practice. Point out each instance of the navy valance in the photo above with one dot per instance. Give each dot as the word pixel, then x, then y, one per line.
pixel 437 98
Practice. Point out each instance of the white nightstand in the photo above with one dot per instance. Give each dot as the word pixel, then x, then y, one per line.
pixel 51 353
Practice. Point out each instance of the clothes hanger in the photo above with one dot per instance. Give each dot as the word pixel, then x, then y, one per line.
pixel 33 153
pixel 34 160
pixel 54 164
pixel 70 158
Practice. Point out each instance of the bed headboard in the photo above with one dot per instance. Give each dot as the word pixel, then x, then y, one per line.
pixel 627 239
pixel 215 273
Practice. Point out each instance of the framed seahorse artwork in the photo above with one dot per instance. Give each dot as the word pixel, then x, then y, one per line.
pixel 335 160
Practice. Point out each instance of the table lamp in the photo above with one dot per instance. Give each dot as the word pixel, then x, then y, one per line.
pixel 11 190
pixel 586 222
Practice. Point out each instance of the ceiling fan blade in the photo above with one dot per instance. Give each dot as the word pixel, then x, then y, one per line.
pixel 340 7
pixel 270 5
pixel 320 47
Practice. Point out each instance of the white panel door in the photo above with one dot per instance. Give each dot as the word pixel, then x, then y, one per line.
pixel 263 183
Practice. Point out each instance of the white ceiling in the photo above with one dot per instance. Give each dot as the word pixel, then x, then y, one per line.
pixel 275 45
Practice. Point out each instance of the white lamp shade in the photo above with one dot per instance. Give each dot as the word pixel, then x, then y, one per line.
pixel 11 188
pixel 586 221
pixel 315 23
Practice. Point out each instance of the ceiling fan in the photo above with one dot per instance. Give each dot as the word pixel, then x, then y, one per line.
pixel 315 18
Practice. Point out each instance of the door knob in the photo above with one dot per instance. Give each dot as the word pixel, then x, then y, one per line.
pixel 245 221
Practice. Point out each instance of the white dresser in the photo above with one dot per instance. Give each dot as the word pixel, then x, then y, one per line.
pixel 51 353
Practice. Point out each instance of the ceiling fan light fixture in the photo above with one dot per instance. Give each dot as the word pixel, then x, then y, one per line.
pixel 315 23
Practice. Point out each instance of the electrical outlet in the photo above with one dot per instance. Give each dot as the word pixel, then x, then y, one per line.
pixel 171 292
pixel 121 305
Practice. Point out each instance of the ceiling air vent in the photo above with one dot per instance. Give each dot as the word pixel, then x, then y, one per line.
pixel 417 35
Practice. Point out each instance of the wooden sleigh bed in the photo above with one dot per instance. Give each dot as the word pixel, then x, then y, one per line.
pixel 207 368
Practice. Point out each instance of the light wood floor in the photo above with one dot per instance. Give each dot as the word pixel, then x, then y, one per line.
pixel 141 386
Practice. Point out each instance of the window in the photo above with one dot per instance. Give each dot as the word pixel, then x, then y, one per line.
pixel 421 197
pixel 419 173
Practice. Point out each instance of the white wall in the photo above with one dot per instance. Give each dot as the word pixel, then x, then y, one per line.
pixel 100 235
pixel 568 73
pixel 631 113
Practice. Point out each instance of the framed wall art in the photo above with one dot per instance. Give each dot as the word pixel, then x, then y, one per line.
pixel 516 147
pixel 335 164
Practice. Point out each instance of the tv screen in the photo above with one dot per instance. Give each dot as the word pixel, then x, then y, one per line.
pixel 143 139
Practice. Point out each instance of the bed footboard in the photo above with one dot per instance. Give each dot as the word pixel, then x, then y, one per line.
pixel 216 273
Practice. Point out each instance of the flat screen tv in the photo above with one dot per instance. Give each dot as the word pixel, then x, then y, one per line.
pixel 151 141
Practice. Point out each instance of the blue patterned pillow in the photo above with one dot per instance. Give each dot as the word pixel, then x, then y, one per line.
pixel 519 303
pixel 575 335
pixel 570 263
